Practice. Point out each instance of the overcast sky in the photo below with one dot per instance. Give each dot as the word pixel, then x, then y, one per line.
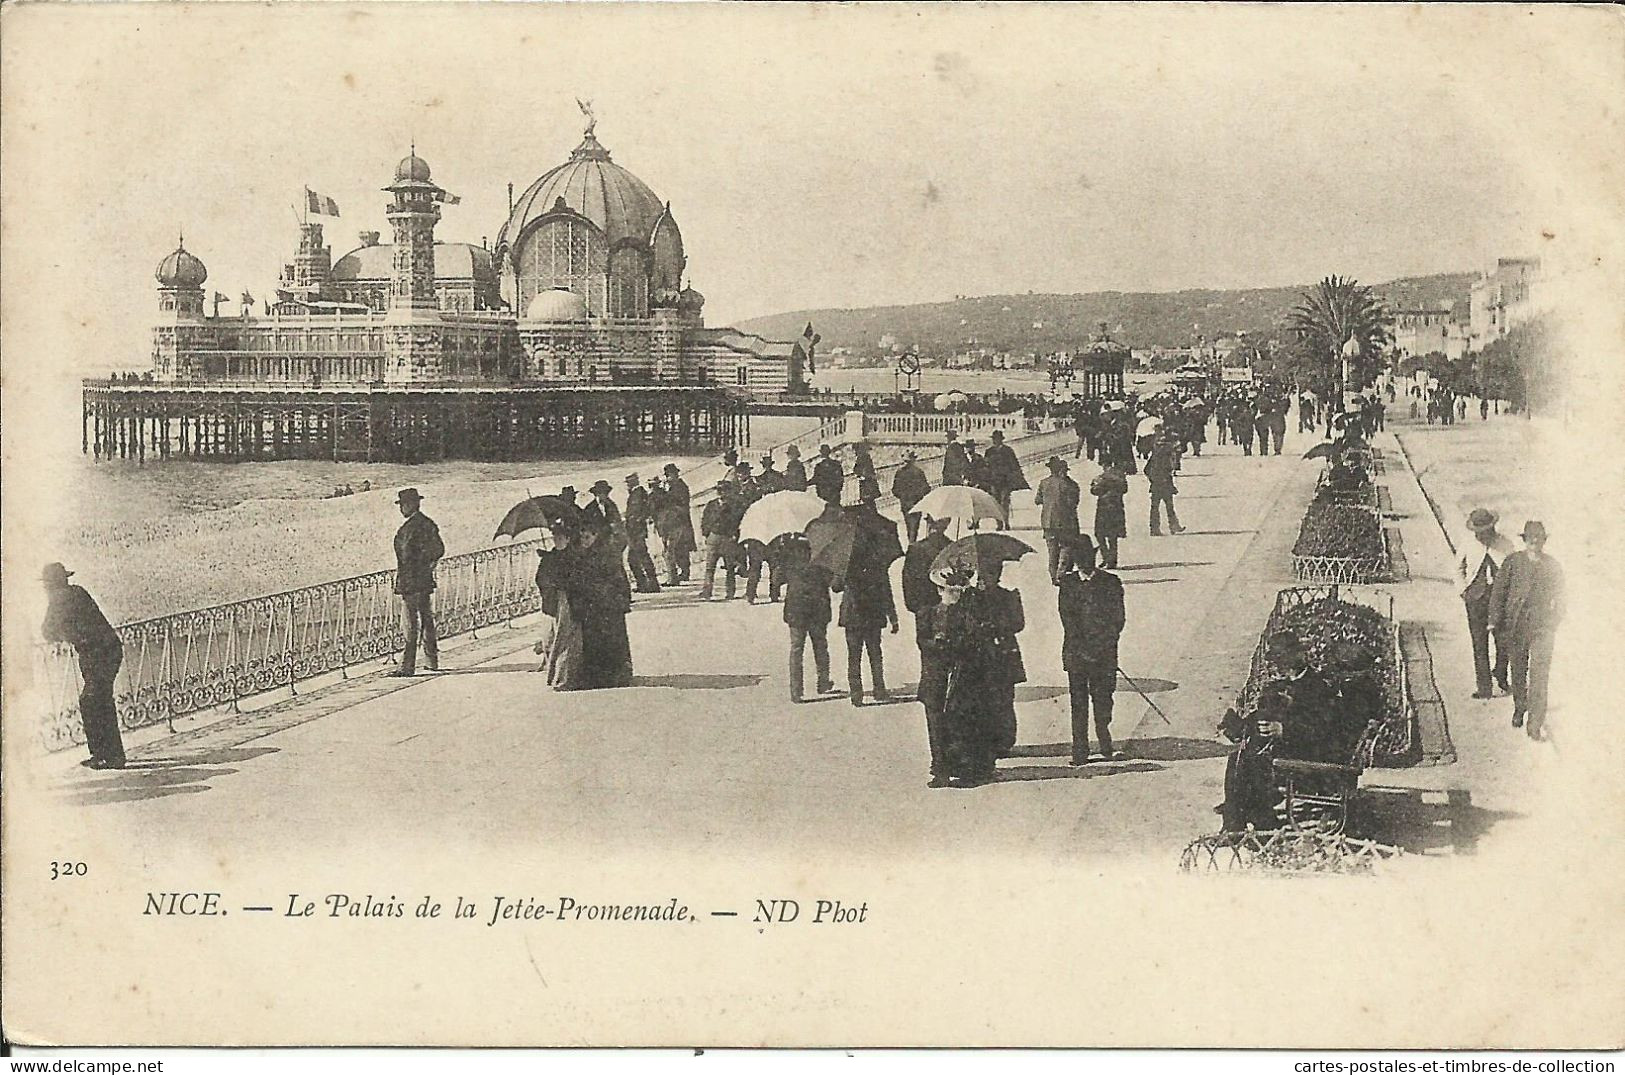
pixel 813 157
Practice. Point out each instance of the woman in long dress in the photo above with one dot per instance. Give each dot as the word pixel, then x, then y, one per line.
pixel 971 635
pixel 599 596
pixel 562 641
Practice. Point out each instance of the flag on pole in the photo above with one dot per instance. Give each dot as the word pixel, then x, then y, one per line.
pixel 809 340
pixel 320 204
pixel 447 197
pixel 248 300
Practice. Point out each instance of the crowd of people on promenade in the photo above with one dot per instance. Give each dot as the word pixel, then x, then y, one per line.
pixel 600 550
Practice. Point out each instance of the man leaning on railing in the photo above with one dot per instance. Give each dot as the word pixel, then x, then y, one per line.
pixel 74 617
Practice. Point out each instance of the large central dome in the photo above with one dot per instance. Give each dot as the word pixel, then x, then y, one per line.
pixel 592 227
pixel 589 183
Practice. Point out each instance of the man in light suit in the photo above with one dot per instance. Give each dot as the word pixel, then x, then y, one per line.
pixel 1057 498
pixel 417 549
pixel 1481 557
pixel 1526 606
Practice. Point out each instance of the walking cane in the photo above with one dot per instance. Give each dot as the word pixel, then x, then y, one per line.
pixel 1146 696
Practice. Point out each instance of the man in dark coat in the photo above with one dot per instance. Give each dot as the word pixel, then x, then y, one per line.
pixel 867 604
pixel 1111 521
pixel 795 471
pixel 1057 499
pixel 827 477
pixel 1092 616
pixel 1482 555
pixel 909 485
pixel 1004 474
pixel 601 510
pixel 920 594
pixel 769 480
pixel 639 513
pixel 807 614
pixel 1290 721
pixel 675 526
pixel 1526 605
pixel 976 475
pixel 1159 471
pixel 73 617
pixel 954 461
pixel 417 549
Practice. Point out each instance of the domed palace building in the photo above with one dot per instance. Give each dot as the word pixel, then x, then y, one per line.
pixel 573 334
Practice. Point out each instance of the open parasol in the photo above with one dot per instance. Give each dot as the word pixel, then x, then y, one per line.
pixel 961 504
pixel 976 552
pixel 539 513
pixel 852 539
pixel 785 512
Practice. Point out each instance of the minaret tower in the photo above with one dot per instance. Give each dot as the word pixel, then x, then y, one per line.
pixel 182 328
pixel 413 335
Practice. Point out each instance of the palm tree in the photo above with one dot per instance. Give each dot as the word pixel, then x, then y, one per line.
pixel 1336 311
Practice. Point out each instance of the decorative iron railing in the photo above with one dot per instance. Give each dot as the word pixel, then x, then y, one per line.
pixel 192 661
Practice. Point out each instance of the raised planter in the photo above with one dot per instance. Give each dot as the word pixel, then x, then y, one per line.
pixel 1341 543
pixel 1324 614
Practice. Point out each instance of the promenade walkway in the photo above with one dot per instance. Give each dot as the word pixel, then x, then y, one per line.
pixel 705 753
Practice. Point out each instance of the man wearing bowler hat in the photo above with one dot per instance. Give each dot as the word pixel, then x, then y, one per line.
pixel 74 618
pixel 1057 499
pixel 1090 602
pixel 417 549
pixel 1482 555
pixel 1526 606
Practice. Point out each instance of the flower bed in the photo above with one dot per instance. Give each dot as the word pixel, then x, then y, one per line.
pixel 1321 616
pixel 1340 543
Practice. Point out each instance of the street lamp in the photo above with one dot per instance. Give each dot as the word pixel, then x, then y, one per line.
pixel 1351 352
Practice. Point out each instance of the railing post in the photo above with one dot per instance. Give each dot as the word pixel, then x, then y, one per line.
pixel 288 645
pixel 343 632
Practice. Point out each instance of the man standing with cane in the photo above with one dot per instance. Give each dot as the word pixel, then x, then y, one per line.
pixel 1092 617
pixel 417 549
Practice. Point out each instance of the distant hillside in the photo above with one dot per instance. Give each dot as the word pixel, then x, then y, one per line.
pixel 1057 322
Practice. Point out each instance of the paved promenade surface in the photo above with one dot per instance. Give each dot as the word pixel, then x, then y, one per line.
pixel 706 753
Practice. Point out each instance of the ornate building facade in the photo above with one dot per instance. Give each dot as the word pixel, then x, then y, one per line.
pixel 585 285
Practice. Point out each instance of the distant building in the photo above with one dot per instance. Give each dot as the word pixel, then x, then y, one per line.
pixel 1425 331
pixel 1515 291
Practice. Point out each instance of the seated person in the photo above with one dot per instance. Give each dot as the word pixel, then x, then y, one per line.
pixel 1347 473
pixel 1291 720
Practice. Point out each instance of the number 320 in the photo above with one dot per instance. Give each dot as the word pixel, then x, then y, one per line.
pixel 68 869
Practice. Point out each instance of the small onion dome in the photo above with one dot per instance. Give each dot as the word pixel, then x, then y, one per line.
pixel 181 269
pixel 690 301
pixel 412 168
pixel 666 298
pixel 556 304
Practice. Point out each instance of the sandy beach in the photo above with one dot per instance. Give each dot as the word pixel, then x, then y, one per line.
pixel 168 537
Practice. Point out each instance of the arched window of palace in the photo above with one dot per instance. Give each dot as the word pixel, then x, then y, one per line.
pixel 567 252
pixel 628 284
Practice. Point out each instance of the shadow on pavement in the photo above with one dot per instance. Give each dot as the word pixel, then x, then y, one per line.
pixel 1195 533
pixel 483 669
pixel 1040 750
pixel 1400 816
pixel 1148 684
pixel 223 756
pixel 698 681
pixel 1145 582
pixel 135 785
pixel 1071 772
pixel 1173 748
pixel 1170 563
pixel 1038 692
